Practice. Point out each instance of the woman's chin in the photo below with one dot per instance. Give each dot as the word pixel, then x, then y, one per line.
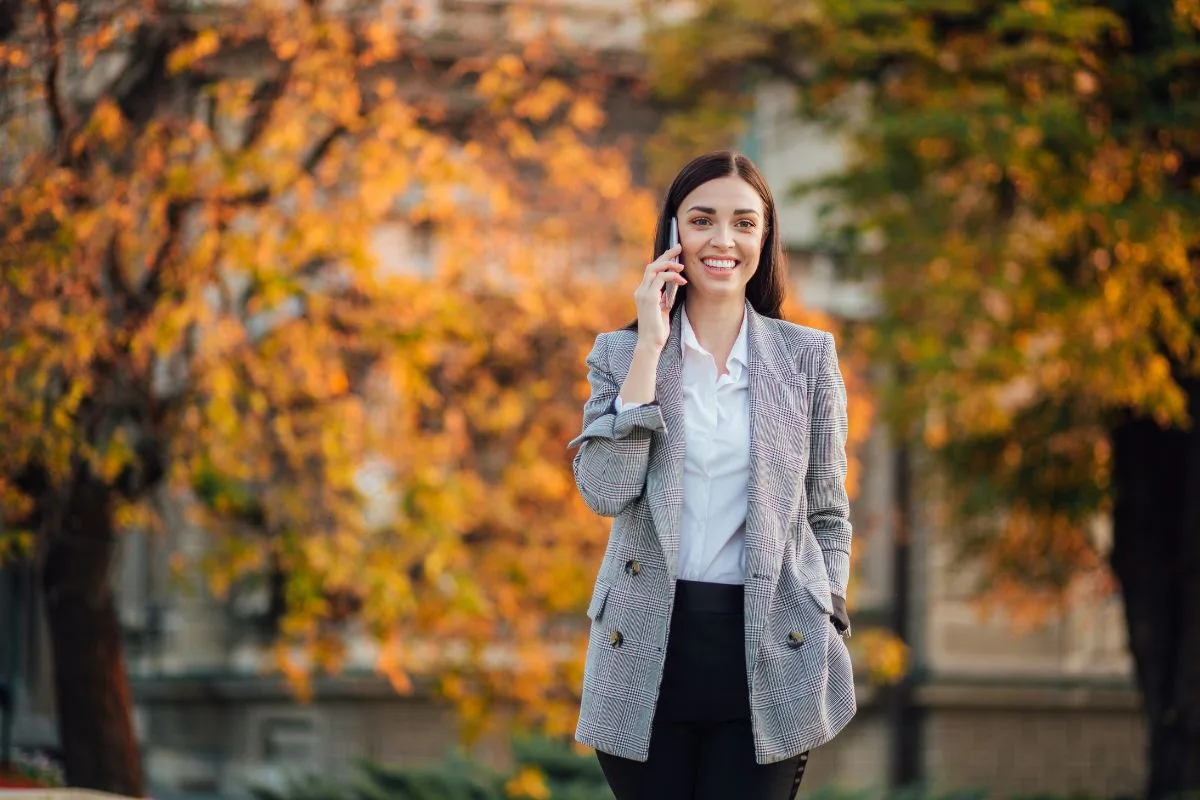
pixel 717 290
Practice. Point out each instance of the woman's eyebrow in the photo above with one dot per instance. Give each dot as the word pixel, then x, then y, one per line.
pixel 736 211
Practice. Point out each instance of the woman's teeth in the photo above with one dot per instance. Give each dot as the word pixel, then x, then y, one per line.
pixel 720 263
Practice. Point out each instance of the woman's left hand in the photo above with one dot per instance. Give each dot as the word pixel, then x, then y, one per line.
pixel 840 617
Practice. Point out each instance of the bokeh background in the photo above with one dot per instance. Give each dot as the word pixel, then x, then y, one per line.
pixel 294 304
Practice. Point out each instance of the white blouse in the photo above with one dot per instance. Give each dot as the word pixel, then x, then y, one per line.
pixel 716 467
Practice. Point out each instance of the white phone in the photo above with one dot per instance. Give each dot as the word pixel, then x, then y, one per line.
pixel 668 290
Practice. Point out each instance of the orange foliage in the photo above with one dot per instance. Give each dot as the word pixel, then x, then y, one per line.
pixel 343 296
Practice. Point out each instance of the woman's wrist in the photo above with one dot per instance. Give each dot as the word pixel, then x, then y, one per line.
pixel 639 385
pixel 647 349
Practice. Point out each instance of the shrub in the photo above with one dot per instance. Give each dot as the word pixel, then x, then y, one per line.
pixel 542 770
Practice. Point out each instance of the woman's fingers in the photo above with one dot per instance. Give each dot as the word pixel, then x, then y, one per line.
pixel 662 272
pixel 665 277
pixel 664 262
pixel 659 271
pixel 652 315
pixel 654 282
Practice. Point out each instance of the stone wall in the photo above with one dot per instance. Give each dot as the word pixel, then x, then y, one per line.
pixel 218 738
pixel 1024 741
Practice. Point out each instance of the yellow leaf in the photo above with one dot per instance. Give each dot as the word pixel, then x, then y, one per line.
pixel 529 782
pixel 338 382
pixel 383 40
pixel 542 102
pixel 205 44
pixel 67 13
pixel 107 120
pixel 586 115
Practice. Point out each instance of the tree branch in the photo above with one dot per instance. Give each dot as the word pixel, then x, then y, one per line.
pixel 265 98
pixel 9 9
pixel 314 158
pixel 58 116
pixel 118 286
pixel 263 194
pixel 167 250
pixel 146 471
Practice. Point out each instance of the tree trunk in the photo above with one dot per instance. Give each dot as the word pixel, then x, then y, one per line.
pixel 95 724
pixel 1156 558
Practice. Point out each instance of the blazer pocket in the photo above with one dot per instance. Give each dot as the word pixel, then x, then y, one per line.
pixel 819 591
pixel 599 598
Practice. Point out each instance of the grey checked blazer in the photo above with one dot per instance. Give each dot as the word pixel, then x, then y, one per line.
pixel 629 466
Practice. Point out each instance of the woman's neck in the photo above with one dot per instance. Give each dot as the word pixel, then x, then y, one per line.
pixel 716 325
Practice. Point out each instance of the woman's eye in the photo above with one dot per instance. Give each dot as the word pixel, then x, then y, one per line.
pixel 704 222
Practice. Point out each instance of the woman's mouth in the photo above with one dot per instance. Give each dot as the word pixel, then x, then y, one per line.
pixel 720 264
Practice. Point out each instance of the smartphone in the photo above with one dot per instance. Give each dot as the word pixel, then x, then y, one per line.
pixel 668 290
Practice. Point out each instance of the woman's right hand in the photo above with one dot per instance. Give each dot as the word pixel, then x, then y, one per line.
pixel 654 321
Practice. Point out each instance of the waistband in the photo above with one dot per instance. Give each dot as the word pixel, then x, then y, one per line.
pixel 710 598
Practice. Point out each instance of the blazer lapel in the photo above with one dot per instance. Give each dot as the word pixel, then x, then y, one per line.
pixel 778 425
pixel 666 463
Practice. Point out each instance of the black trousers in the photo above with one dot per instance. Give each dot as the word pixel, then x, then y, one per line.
pixel 701 744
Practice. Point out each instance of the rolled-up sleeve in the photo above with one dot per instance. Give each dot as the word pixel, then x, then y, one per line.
pixel 614 448
pixel 828 503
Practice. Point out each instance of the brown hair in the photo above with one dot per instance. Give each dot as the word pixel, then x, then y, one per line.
pixel 767 286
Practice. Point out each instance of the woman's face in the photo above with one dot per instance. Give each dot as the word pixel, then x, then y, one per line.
pixel 721 228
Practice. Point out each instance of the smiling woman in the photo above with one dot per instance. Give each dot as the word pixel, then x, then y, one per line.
pixel 730 185
pixel 721 237
pixel 715 437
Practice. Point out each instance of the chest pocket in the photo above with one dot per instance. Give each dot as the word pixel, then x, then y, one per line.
pixel 595 610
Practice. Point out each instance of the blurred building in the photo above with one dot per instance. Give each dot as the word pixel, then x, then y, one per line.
pixel 1049 710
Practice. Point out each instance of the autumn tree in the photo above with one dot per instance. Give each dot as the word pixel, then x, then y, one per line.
pixel 291 264
pixel 1021 186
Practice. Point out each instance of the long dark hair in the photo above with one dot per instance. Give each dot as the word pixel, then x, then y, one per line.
pixel 768 285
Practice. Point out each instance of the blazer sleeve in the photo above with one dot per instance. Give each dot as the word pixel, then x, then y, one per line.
pixel 614 449
pixel 825 485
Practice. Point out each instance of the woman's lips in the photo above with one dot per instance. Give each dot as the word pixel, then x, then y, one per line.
pixel 720 265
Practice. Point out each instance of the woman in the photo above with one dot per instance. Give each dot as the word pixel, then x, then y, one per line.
pixel 715 437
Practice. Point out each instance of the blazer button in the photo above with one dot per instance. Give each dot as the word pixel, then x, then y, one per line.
pixel 616 639
pixel 795 639
pixel 633 567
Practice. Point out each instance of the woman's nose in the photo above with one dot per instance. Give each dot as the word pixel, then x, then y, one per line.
pixel 722 236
